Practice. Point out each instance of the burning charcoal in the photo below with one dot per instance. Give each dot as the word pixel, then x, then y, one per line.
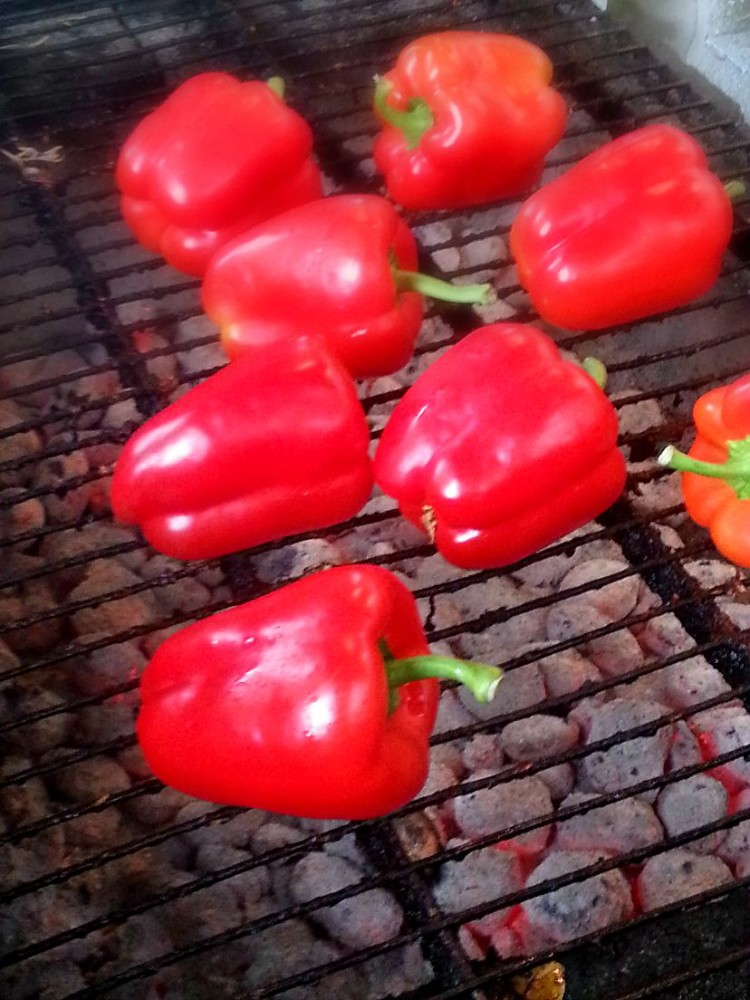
pixel 538 736
pixel 711 573
pixel 45 734
pixel 522 687
pixel 632 761
pixel 484 752
pixel 679 874
pixel 559 780
pixel 663 636
pixel 103 669
pixel 736 845
pixel 98 830
pixel 62 503
pixel 123 413
pixel 43 979
pixel 439 777
pixel 248 886
pixel 399 971
pixel 480 877
pixel 24 517
pixel 732 732
pixel 685 749
pixel 615 653
pixel 21 802
pixel 494 809
pixel 738 612
pixel 417 835
pixel 580 908
pixel 585 711
pixel 272 835
pixel 614 600
pixel 296 559
pixel 163 367
pixel 154 809
pixel 16 446
pixel 742 866
pixel 617 828
pixel 104 577
pixel 96 724
pixel 345 847
pixel 449 755
pixel 184 595
pixel 284 950
pixel 566 672
pixel 359 921
pixel 72 544
pixel 8 659
pixel 693 681
pixel 238 831
pixel 31 599
pixel 140 939
pixel 691 803
pixel 648 687
pixel 91 780
pixel 451 712
pixel 636 418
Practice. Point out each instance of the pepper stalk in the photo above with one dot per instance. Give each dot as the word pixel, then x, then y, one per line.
pixel 480 678
pixel 735 471
pixel 435 288
pixel 412 123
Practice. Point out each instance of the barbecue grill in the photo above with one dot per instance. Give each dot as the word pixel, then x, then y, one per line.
pixel 112 885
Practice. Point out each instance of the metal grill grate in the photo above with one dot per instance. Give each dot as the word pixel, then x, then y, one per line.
pixel 93 326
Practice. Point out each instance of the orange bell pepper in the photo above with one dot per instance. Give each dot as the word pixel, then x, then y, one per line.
pixel 716 470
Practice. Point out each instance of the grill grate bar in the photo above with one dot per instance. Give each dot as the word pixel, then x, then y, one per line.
pixel 289 852
pixel 436 924
pixel 695 605
pixel 290 36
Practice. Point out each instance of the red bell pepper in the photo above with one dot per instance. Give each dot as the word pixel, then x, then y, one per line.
pixel 341 269
pixel 217 157
pixel 467 118
pixel 716 470
pixel 636 228
pixel 266 447
pixel 316 700
pixel 501 447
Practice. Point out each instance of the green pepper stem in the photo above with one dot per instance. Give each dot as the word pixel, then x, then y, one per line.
pixel 480 678
pixel 435 288
pixel 413 122
pixel 735 190
pixel 277 85
pixel 596 369
pixel 672 458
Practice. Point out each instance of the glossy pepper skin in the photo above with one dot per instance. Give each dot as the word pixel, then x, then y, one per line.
pixel 282 703
pixel 217 157
pixel 500 447
pixel 716 470
pixel 636 228
pixel 466 118
pixel 266 447
pixel 341 269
